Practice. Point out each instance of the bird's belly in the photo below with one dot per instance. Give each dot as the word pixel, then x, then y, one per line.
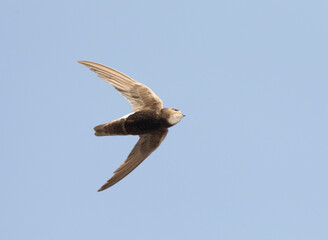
pixel 141 126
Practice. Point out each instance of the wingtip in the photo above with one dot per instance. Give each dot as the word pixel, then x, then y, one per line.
pixel 103 187
pixel 88 63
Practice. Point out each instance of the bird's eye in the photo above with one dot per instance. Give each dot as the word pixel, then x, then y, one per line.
pixel 175 109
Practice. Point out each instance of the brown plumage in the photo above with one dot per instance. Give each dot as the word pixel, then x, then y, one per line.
pixel 148 120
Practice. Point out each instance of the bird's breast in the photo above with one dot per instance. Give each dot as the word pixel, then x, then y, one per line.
pixel 142 122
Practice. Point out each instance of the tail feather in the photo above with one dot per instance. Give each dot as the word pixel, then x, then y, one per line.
pixel 112 128
pixel 100 130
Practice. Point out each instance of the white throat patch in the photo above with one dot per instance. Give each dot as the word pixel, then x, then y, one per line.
pixel 175 118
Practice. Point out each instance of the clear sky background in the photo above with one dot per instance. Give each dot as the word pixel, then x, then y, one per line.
pixel 248 162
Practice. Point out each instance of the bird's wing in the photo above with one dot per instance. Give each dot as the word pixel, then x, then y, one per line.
pixel 146 144
pixel 140 96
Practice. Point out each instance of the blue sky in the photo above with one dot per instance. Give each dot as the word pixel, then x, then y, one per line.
pixel 248 162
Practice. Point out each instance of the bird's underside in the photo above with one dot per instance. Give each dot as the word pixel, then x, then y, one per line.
pixel 141 98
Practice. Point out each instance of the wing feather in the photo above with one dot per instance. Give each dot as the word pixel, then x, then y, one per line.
pixel 144 147
pixel 140 96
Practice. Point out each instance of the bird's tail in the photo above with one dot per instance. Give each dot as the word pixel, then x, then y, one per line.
pixel 113 128
pixel 100 130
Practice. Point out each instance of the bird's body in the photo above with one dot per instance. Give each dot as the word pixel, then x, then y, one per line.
pixel 148 120
pixel 138 123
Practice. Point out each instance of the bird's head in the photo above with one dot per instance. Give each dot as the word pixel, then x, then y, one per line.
pixel 172 115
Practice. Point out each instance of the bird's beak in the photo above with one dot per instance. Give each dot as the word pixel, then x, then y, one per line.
pixel 183 115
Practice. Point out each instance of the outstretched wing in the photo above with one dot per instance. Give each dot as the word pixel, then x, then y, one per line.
pixel 140 96
pixel 146 144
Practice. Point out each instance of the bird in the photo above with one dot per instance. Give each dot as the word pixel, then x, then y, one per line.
pixel 149 120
